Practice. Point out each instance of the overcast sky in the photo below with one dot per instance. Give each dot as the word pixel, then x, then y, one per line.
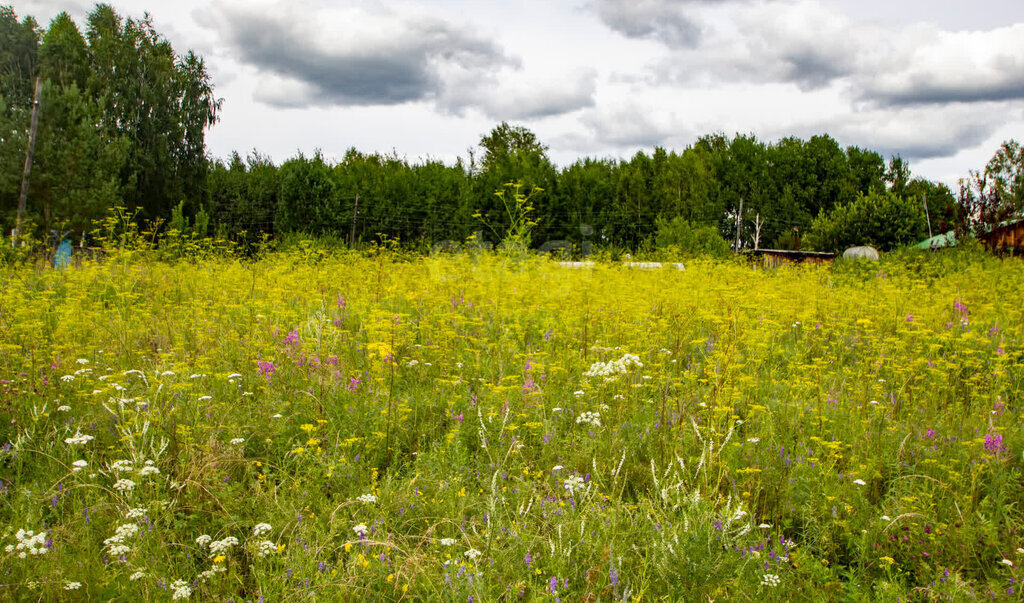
pixel 939 82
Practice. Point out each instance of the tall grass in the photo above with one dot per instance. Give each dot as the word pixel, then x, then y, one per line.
pixel 314 425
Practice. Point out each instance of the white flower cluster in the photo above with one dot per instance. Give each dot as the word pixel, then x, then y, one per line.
pixel 222 546
pixel 137 513
pixel 237 441
pixel 78 438
pixel 116 544
pixel 64 408
pixel 771 580
pixel 360 529
pixel 203 540
pixel 447 541
pixel 150 468
pixel 213 571
pixel 473 554
pixel 79 465
pixel 181 590
pixel 121 465
pixel 592 418
pixel 124 486
pixel 261 529
pixel 613 368
pixel 367 498
pixel 137 576
pixel 573 483
pixel 29 543
pixel 73 586
pixel 265 548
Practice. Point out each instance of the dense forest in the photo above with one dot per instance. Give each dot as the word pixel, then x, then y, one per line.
pixel 123 118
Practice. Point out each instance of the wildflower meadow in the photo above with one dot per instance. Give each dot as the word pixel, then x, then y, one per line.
pixel 346 426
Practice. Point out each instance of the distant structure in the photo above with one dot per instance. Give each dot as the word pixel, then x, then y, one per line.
pixel 1008 237
pixel 861 253
pixel 773 258
pixel 939 241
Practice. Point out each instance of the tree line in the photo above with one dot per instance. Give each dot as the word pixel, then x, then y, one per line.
pixel 124 116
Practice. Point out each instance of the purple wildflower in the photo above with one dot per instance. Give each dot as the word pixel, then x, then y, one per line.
pixel 994 442
pixel 266 368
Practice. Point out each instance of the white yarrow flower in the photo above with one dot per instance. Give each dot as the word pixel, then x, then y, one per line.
pixel 360 529
pixel 218 547
pixel 591 418
pixel 124 486
pixel 78 438
pixel 181 590
pixel 573 483
pixel 266 548
pixel 237 441
pixel 367 498
pixel 121 465
pixel 261 528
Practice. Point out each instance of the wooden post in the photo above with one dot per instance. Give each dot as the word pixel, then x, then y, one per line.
pixel 355 214
pixel 927 216
pixel 739 223
pixel 33 127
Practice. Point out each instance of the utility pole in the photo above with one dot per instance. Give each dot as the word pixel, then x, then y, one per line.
pixel 355 214
pixel 33 127
pixel 927 216
pixel 739 223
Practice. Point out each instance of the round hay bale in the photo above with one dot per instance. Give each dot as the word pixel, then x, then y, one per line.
pixel 861 253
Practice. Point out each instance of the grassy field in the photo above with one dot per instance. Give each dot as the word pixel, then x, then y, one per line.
pixel 473 428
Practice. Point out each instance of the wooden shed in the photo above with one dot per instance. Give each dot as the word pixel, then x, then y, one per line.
pixel 773 258
pixel 1008 237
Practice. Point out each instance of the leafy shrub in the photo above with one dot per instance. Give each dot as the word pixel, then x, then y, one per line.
pixel 880 219
pixel 690 239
